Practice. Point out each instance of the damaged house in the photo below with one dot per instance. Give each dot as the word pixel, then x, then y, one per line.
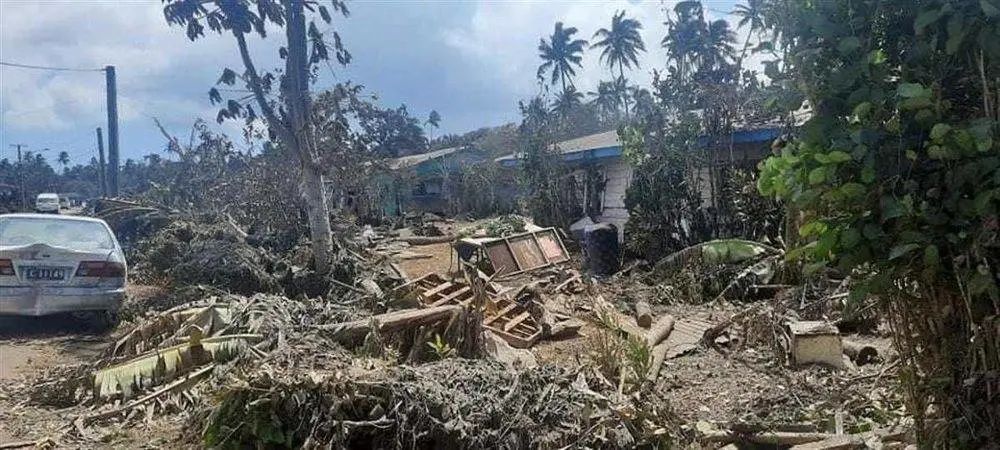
pixel 603 175
pixel 422 182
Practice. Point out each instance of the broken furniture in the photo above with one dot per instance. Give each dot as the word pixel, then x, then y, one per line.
pixel 514 254
pixel 501 315
pixel 815 342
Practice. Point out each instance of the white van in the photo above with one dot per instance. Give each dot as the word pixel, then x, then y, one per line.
pixel 47 202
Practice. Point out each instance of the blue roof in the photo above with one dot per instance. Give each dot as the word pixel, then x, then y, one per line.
pixel 606 145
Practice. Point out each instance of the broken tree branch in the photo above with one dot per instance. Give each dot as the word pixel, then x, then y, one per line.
pixel 351 332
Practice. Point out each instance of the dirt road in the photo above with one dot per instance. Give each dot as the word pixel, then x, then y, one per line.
pixel 31 345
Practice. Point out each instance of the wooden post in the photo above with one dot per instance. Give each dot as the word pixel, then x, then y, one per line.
pixel 643 314
pixel 101 172
pixel 112 97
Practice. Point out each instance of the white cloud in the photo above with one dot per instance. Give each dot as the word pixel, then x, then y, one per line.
pixel 503 38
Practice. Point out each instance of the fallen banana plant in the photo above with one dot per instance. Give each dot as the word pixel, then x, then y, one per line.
pixel 726 268
pixel 169 328
pixel 163 365
pixel 719 251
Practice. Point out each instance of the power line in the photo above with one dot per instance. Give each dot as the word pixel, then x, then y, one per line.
pixel 63 69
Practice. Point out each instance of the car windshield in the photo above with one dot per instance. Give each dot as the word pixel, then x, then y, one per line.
pixel 72 234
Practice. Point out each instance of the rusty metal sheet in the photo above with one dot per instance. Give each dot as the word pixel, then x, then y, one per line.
pixel 501 258
pixel 551 246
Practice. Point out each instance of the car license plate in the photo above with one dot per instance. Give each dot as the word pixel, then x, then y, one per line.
pixel 44 273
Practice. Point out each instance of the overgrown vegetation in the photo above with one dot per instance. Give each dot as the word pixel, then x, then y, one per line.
pixel 896 178
pixel 689 185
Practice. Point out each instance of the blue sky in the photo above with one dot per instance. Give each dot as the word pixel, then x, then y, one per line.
pixel 470 60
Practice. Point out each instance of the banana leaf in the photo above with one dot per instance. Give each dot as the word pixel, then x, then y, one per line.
pixel 163 365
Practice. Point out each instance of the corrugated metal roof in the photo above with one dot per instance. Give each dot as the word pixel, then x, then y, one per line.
pixel 591 142
pixel 606 139
pixel 412 160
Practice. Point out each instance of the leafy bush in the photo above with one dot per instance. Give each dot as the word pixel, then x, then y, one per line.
pixel 897 176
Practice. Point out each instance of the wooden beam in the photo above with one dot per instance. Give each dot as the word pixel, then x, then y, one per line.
pixel 452 296
pixel 513 323
pixel 501 313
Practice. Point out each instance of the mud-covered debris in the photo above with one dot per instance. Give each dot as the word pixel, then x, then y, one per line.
pixel 454 403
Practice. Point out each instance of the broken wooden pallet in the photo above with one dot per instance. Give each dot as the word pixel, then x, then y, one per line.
pixel 502 316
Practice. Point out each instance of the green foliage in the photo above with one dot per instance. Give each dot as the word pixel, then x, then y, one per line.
pixel 897 171
pixel 505 225
pixel 441 347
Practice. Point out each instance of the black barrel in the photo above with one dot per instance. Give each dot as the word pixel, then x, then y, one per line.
pixel 602 249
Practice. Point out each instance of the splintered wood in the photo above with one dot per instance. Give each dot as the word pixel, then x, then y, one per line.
pixel 504 317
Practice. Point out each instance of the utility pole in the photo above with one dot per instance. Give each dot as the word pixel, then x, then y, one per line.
pixel 20 176
pixel 101 168
pixel 112 94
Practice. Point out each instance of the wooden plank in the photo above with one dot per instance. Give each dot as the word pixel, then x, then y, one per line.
pixel 451 296
pixel 437 289
pixel 501 313
pixel 513 323
pixel 411 283
pixel 517 261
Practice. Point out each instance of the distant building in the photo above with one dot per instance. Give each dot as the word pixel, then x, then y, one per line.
pixel 602 153
pixel 421 183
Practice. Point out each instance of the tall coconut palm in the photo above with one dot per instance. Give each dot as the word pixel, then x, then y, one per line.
pixel 752 15
pixel 718 45
pixel 620 46
pixel 606 99
pixel 684 36
pixel 694 44
pixel 567 101
pixel 559 54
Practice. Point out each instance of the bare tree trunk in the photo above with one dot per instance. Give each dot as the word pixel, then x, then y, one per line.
pixel 299 104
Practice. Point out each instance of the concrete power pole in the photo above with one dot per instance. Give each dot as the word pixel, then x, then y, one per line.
pixel 101 172
pixel 112 93
pixel 20 176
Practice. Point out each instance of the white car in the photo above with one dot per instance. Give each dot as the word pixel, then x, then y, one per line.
pixel 60 264
pixel 47 202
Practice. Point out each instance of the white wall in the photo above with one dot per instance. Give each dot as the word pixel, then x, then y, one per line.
pixel 618 175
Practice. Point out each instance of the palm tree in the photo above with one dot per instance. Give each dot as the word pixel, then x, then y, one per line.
pixel 559 55
pixel 567 101
pixel 434 120
pixel 694 44
pixel 683 39
pixel 621 46
pixel 751 14
pixel 606 99
pixel 717 46
pixel 63 159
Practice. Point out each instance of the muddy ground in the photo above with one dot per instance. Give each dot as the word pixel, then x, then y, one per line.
pixel 29 346
pixel 733 384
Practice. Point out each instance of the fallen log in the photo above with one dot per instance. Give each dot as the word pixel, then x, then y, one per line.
pixel 859 353
pixel 660 330
pixel 659 354
pixel 643 314
pixel 610 317
pixel 351 332
pixel 784 438
pixel 842 442
pixel 427 240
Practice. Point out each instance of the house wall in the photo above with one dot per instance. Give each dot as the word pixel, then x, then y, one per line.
pixel 618 176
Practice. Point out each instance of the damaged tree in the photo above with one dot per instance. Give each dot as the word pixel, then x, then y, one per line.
pixel 290 122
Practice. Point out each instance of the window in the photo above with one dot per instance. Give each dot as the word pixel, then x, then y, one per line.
pixel 65 233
